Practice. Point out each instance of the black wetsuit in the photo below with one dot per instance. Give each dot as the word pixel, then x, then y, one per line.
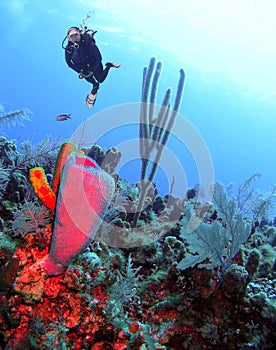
pixel 86 59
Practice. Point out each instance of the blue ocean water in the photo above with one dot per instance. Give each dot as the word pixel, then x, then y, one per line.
pixel 229 96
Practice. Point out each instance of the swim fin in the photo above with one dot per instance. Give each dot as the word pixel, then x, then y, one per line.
pixel 90 100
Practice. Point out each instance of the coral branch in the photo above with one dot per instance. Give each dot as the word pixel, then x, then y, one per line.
pixel 15 117
pixel 154 132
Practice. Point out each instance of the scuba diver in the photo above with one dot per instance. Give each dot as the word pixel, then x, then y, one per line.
pixel 84 57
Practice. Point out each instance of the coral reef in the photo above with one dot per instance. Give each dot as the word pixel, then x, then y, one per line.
pixel 143 286
pixel 137 298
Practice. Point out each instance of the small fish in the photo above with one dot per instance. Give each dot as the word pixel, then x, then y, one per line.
pixel 62 117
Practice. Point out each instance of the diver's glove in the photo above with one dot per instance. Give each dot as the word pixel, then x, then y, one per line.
pixel 90 100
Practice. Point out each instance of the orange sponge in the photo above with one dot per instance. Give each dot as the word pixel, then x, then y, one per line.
pixel 42 188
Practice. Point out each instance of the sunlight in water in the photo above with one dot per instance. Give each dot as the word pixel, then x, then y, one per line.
pixel 235 38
